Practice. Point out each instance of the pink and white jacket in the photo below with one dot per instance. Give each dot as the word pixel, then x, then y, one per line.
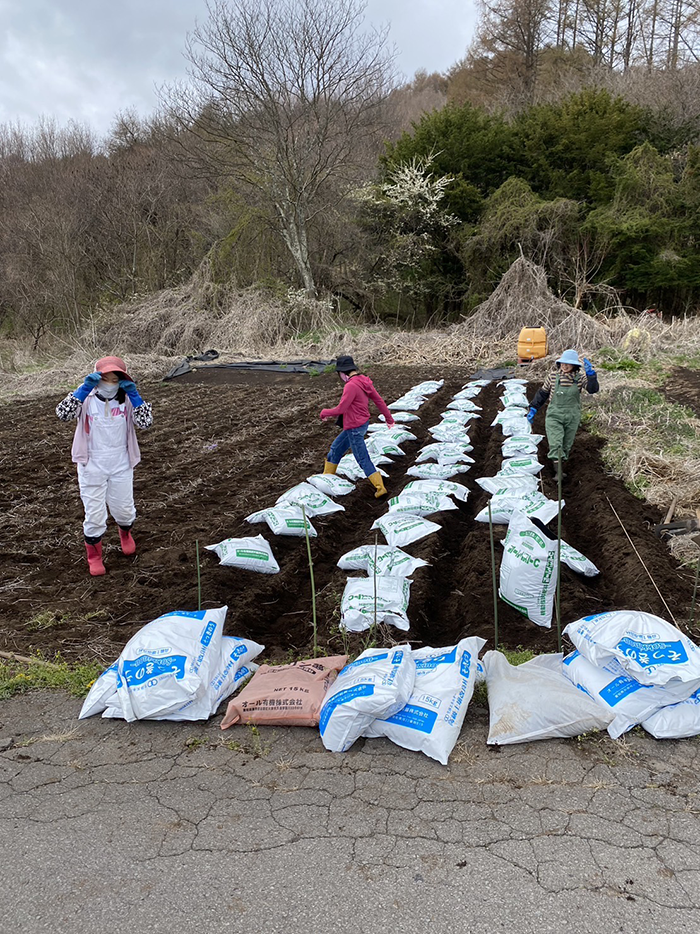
pixel 70 408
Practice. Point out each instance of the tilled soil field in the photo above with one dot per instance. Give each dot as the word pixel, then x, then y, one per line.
pixel 219 450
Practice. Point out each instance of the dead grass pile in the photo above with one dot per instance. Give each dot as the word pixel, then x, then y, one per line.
pixel 684 548
pixel 664 477
pixel 523 299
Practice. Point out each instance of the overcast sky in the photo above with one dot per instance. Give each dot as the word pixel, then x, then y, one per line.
pixel 86 60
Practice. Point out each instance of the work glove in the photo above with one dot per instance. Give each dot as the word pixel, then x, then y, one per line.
pixel 91 381
pixel 531 414
pixel 129 387
pixel 588 367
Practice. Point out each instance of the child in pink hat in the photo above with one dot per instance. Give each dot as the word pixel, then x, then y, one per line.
pixel 107 407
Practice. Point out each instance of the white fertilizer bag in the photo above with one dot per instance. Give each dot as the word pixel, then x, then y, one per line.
pixel 517 399
pixel 529 571
pixel 401 530
pixel 377 684
pixel 520 444
pixel 448 487
pixel 677 721
pixel 314 501
pixel 477 382
pixel 382 560
pixel 284 520
pixel 401 417
pixel 175 667
pixel 420 503
pixel 253 554
pixel 516 426
pixel 502 486
pixel 436 471
pixel 432 719
pixel 535 505
pixel 611 686
pixel 445 453
pixel 454 434
pixel 512 413
pixel 429 387
pixel 457 418
pixel 513 466
pixel 512 382
pixel 377 446
pixel 366 599
pixel 470 393
pixel 463 405
pixel 331 484
pixel 348 467
pixel 535 701
pixel 407 403
pixel 577 562
pixel 649 649
pixel 396 435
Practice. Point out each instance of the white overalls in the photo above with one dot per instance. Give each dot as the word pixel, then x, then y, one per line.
pixel 106 480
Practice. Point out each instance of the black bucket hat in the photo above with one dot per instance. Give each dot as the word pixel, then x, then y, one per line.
pixel 345 365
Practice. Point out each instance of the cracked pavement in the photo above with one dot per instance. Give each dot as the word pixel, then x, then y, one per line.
pixel 154 825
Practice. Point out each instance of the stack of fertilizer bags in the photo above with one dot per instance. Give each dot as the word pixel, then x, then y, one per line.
pixel 382 595
pixel 528 575
pixel 180 666
pixel 627 668
pixel 417 699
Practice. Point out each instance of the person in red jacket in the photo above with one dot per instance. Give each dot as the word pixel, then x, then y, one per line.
pixel 352 414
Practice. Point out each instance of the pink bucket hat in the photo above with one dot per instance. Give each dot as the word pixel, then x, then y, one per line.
pixel 111 365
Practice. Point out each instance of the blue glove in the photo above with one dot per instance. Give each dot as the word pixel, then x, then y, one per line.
pixel 531 414
pixel 588 367
pixel 129 387
pixel 91 381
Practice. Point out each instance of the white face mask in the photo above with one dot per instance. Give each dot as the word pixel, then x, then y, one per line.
pixel 107 390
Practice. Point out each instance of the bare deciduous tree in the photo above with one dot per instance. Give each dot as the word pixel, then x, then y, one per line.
pixel 282 98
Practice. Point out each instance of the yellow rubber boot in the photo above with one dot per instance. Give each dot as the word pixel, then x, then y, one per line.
pixel 329 468
pixel 376 480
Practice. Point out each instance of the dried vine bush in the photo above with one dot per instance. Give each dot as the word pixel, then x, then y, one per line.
pixel 523 299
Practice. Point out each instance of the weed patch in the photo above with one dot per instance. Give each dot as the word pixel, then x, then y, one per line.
pixel 21 677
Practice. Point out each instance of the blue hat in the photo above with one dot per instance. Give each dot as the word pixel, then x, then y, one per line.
pixel 569 356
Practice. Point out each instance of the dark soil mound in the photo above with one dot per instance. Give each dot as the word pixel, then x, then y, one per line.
pixel 216 454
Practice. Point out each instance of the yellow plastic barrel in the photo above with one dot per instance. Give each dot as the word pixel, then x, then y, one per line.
pixel 532 344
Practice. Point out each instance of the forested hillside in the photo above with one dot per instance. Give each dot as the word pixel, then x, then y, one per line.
pixel 295 161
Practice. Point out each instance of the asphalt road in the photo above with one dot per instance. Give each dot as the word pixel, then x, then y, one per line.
pixel 157 827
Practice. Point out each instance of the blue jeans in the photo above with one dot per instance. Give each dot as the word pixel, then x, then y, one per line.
pixel 352 439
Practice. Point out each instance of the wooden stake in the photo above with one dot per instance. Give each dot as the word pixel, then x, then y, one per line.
pixel 493 580
pixel 671 510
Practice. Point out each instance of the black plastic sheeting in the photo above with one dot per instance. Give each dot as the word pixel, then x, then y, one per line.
pixel 271 366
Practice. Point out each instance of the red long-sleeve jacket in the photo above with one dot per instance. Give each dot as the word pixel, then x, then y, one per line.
pixel 354 403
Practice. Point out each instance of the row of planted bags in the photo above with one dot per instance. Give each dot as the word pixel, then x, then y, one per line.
pixel 627 668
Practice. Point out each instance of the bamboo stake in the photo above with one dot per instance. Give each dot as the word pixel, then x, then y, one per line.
pixel 313 584
pixel 199 579
pixel 695 593
pixel 376 549
pixel 493 581
pixel 558 588
pixel 668 610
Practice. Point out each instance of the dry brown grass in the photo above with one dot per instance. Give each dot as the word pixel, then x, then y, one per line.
pixel 154 332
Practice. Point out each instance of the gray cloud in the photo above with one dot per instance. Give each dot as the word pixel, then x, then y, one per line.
pixel 87 60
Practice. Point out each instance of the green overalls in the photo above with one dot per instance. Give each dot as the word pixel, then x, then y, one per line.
pixel 563 418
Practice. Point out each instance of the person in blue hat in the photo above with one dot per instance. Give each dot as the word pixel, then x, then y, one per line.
pixel 563 388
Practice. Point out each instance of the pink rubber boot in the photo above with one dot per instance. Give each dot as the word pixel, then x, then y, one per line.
pixel 127 542
pixel 94 559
